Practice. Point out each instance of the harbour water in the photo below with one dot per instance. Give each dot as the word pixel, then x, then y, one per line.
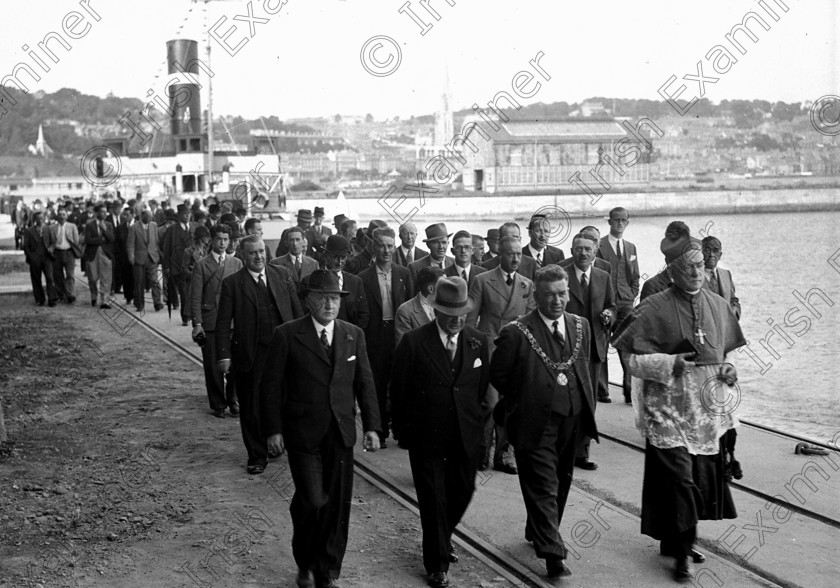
pixel 786 269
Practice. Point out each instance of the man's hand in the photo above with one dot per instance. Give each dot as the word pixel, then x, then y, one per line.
pixel 728 374
pixel 371 441
pixel 682 364
pixel 223 366
pixel 197 330
pixel 275 445
pixel 606 317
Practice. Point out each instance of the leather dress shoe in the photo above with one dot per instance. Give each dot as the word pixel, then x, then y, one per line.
pixel 696 556
pixel 305 579
pixel 104 306
pixel 219 413
pixel 438 580
pixel 158 307
pixel 506 468
pixel 605 399
pixel 256 469
pixel 585 464
pixel 453 556
pixel 234 409
pixel 93 303
pixel 556 568
pixel 683 570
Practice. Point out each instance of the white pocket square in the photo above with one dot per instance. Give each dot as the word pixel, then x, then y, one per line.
pixel 632 258
pixel 351 358
pixel 477 362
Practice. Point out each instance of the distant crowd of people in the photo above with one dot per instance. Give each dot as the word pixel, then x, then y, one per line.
pixel 475 352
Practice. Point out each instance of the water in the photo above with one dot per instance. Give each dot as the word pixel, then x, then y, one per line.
pixel 772 257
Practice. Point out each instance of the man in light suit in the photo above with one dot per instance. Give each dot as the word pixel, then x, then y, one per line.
pixel 35 252
pixel 499 296
pixel 256 299
pixel 298 264
pixel 462 253
pixel 62 240
pixel 205 291
pixel 539 230
pixel 549 402
pixel 438 390
pixel 354 307
pixel 591 297
pixel 387 286
pixel 407 253
pixel 527 265
pixel 418 311
pixel 144 256
pixel 99 256
pixel 625 279
pixel 436 240
pixel 719 280
pixel 316 371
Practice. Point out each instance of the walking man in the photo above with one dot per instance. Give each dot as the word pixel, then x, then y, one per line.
pixel 99 256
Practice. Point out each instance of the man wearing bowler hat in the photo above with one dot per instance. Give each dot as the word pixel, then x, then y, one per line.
pixel 316 370
pixel 437 240
pixel 438 389
pixel 334 256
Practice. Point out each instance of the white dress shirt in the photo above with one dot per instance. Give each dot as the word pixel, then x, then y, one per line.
pixel 319 327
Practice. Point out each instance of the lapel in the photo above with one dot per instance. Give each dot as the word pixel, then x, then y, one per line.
pixel 340 348
pixel 309 339
pixel 534 323
pixel 607 252
pixel 246 283
pixel 513 293
pixel 436 351
pixel 498 284
pixel 373 287
pixel 396 283
pixel 574 285
pixel 417 311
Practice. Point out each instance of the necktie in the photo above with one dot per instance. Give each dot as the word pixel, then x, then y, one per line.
pixel 464 274
pixel 509 279
pixel 558 336
pixel 451 346
pixel 618 249
pixel 584 283
pixel 297 265
pixel 539 258
pixel 221 260
pixel 260 283
pixel 409 258
pixel 714 282
pixel 326 344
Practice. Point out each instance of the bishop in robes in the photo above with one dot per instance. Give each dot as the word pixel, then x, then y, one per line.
pixel 680 341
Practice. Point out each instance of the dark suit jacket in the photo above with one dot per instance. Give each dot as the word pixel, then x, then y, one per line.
pixel 359 262
pixel 303 392
pixel 238 302
pixel 454 270
pixel 600 298
pixel 727 290
pixel 658 283
pixel 307 266
pixel 527 266
pixel 121 242
pixel 601 264
pixel 606 252
pixel 35 245
pixel 424 384
pixel 551 254
pixel 354 307
pixel 206 288
pixel 487 257
pixel 175 242
pixel 399 256
pixel 401 287
pixel 94 240
pixel 527 386
pixel 315 241
pixel 419 264
pixel 143 250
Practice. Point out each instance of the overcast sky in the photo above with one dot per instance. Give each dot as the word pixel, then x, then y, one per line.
pixel 305 61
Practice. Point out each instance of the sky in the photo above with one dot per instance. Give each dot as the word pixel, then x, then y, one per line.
pixel 306 60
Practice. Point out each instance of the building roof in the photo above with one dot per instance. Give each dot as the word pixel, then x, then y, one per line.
pixel 565 130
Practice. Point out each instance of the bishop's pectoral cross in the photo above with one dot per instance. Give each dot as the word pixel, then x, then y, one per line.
pixel 701 336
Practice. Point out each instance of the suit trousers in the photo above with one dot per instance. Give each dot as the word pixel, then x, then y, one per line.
pixel 247 391
pixel 582 451
pixel 445 485
pixel 381 356
pixel 45 267
pixel 126 279
pixel 624 357
pixel 220 394
pixel 545 476
pixel 99 274
pixel 178 294
pixel 143 274
pixel 64 270
pixel 320 507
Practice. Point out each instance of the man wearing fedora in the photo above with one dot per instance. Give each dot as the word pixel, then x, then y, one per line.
pixel 437 240
pixel 407 253
pixel 354 307
pixel 294 260
pixel 438 397
pixel 316 371
pixel 317 234
pixel 175 241
pixel 255 299
pixel 364 238
pixel 492 240
pixel 304 221
pixel 387 286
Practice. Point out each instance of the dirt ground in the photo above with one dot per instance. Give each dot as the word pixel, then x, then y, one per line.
pixel 116 474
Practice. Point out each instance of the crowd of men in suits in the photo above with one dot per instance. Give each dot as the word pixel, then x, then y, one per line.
pixel 468 358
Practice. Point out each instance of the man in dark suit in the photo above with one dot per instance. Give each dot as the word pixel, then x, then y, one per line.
pixel 35 252
pixel 113 217
pixel 541 369
pixel 539 230
pixel 438 397
pixel 492 240
pixel 407 253
pixel 363 247
pixel 316 370
pixel 304 220
pixel 99 255
pixel 316 235
pixel 144 255
pixel 175 241
pixel 205 291
pixel 387 286
pixel 257 299
pixel 297 264
pixel 126 271
pixel 354 307
pixel 527 265
pixel 625 279
pixel 591 297
pixel 418 311
pixel 436 240
pixel 719 280
pixel 462 254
